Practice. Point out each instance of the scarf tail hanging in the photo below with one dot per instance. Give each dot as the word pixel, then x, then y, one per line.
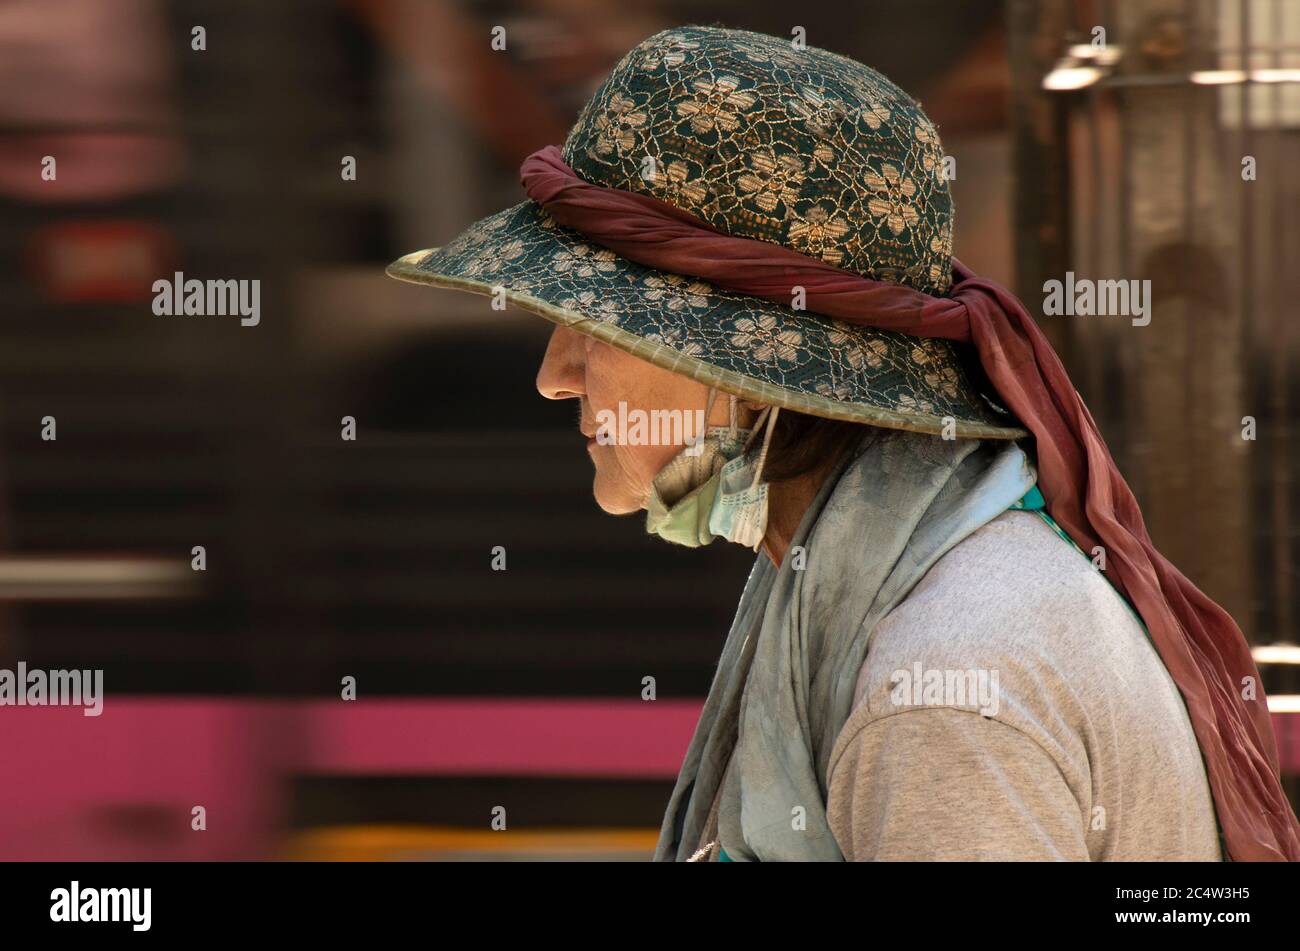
pixel 1203 649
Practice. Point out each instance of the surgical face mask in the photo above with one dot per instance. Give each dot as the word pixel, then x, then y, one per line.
pixel 739 510
pixel 713 488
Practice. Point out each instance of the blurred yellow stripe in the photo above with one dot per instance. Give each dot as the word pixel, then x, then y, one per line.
pixel 377 843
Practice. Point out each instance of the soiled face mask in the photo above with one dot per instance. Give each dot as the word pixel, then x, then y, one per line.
pixel 713 488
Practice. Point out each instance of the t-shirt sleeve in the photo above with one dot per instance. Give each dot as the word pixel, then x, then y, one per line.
pixel 946 784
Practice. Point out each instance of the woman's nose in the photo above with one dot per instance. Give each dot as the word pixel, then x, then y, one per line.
pixel 562 374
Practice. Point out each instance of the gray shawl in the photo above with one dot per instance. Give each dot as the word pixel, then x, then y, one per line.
pixel 785 681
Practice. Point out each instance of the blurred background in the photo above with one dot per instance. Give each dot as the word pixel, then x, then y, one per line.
pixel 370 558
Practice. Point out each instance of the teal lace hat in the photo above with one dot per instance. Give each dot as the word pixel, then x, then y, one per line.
pixel 800 147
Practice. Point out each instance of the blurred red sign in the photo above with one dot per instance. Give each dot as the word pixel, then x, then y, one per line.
pixel 100 260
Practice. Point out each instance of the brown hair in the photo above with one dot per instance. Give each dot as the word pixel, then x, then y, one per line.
pixel 802 444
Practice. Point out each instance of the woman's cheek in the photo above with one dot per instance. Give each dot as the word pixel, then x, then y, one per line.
pixel 646 462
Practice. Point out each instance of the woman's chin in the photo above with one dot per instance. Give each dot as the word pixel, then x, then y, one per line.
pixel 615 500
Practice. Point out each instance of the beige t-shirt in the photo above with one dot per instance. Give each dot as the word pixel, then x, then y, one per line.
pixel 1013 708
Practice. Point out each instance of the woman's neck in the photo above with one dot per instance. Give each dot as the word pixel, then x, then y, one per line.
pixel 786 505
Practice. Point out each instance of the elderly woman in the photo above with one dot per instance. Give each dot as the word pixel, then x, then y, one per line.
pixel 958 641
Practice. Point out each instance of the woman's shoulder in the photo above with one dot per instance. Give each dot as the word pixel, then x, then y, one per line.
pixel 1013 589
pixel 1016 607
pixel 1015 657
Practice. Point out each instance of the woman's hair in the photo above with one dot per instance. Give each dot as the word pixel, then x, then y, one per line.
pixel 802 444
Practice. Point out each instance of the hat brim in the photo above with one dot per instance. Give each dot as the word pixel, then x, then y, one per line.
pixel 747 346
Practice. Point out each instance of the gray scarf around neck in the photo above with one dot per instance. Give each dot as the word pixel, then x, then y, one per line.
pixel 785 681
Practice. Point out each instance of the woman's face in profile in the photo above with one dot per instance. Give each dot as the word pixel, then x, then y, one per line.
pixel 601 377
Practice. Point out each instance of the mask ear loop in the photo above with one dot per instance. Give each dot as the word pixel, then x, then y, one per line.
pixel 754 430
pixel 769 415
pixel 708 411
pixel 767 441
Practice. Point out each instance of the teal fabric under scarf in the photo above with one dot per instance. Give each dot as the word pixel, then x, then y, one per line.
pixel 784 684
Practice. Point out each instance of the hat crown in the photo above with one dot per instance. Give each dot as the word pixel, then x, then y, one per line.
pixel 800 147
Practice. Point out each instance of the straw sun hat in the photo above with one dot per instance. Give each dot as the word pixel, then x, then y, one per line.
pixel 799 147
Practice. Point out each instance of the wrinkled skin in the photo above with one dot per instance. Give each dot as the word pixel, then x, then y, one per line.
pixel 599 376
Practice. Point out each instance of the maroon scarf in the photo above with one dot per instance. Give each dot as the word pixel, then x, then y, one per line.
pixel 1199 643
